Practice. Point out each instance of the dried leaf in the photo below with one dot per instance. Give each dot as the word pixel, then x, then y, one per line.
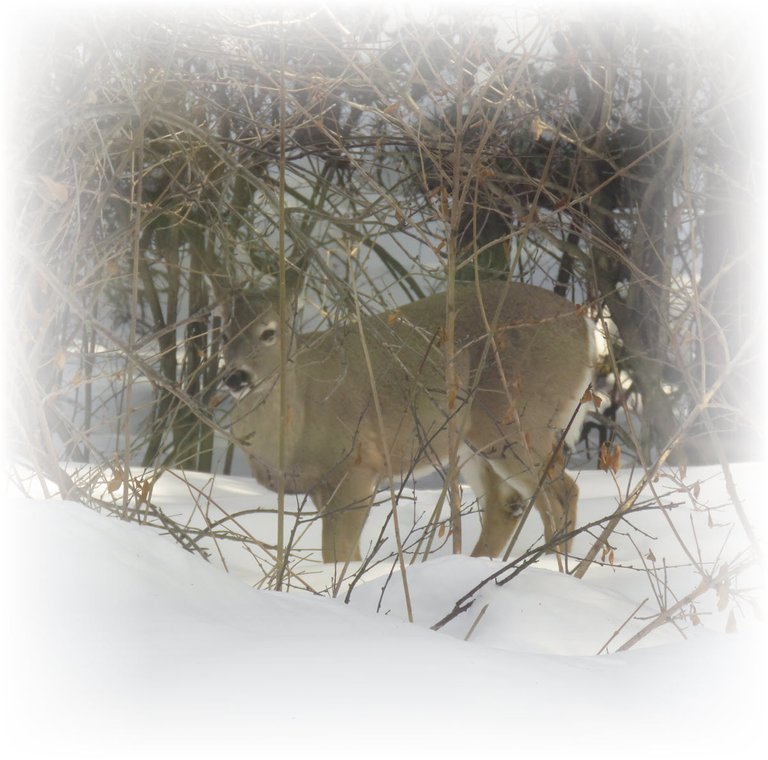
pixel 510 415
pixel 730 626
pixel 486 172
pixel 55 190
pixel 441 531
pixel 612 557
pixel 650 556
pixel 61 358
pixel 610 458
pixel 590 397
pixel 394 317
pixel 537 128
pixel 696 489
pixel 116 482
pixel 694 618
pixel 112 268
pixel 146 487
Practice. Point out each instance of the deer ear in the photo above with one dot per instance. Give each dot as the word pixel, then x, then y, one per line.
pixel 294 287
pixel 221 287
pixel 294 283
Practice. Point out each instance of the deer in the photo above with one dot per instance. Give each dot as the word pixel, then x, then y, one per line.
pixel 366 400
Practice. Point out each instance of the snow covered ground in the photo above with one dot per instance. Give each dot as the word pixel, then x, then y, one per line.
pixel 120 644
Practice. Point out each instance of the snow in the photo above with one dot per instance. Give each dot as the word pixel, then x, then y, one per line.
pixel 120 644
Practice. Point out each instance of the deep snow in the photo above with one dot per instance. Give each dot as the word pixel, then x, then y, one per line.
pixel 121 644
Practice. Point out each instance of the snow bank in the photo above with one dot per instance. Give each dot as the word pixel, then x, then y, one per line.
pixel 121 644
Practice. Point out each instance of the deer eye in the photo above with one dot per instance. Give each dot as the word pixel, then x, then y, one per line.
pixel 268 336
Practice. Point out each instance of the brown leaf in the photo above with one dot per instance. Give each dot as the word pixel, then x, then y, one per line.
pixel 695 619
pixel 651 556
pixel 610 458
pixel 112 268
pixel 116 482
pixel 590 397
pixel 730 626
pixel 696 489
pixel 441 531
pixel 510 415
pixel 146 487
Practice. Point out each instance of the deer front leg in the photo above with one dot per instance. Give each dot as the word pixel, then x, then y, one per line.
pixel 344 508
pixel 559 496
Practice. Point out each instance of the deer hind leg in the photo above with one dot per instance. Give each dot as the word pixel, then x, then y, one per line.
pixel 504 490
pixel 344 508
pixel 501 506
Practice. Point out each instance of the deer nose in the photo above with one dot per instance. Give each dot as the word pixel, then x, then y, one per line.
pixel 237 380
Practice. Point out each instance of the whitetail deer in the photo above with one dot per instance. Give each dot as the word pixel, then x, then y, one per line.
pixel 523 360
